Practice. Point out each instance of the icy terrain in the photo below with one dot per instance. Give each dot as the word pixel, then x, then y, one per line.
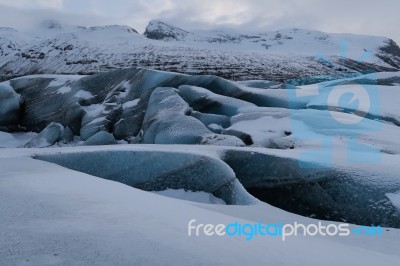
pixel 52 215
pixel 141 106
pixel 279 55
pixel 246 146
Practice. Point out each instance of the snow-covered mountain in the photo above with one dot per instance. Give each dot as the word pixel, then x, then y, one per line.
pixel 54 48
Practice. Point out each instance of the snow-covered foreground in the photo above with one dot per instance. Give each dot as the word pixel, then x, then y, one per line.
pixel 53 215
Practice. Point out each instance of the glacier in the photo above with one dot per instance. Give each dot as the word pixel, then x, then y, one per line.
pixel 158 170
pixel 341 193
pixel 53 133
pixel 51 214
pixel 9 102
pixel 238 141
pixel 112 140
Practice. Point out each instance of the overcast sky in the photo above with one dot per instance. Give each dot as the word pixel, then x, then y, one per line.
pixel 354 16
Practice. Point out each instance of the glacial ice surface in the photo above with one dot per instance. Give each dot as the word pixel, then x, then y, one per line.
pixel 151 107
pixel 166 122
pixel 9 105
pixel 47 137
pixel 100 138
pixel 158 170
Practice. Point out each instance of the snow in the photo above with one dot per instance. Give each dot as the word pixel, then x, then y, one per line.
pixel 198 196
pixel 285 41
pixel 263 129
pixel 394 199
pixel 82 205
pixel 387 104
pixel 59 48
pixel 58 79
pixel 131 104
pixel 211 114
pixel 15 140
pixel 64 89
pixel 83 94
pixel 92 111
pixel 268 125
pixel 262 84
pixel 54 215
pixel 281 134
pixel 212 169
pixel 177 170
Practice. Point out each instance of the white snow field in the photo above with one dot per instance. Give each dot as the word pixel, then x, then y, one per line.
pixel 50 215
pixel 14 140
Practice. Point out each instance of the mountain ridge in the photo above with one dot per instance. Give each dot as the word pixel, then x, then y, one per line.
pixel 276 55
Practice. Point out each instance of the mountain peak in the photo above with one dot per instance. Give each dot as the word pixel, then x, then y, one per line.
pixel 158 30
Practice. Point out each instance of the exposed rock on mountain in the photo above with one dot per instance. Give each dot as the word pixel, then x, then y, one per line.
pixel 55 48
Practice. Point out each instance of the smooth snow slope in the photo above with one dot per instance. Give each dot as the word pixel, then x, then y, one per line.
pixel 52 215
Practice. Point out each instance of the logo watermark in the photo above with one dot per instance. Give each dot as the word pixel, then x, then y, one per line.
pixel 338 111
pixel 279 230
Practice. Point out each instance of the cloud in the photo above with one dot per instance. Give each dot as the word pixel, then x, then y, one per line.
pixel 34 4
pixel 26 19
pixel 356 16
